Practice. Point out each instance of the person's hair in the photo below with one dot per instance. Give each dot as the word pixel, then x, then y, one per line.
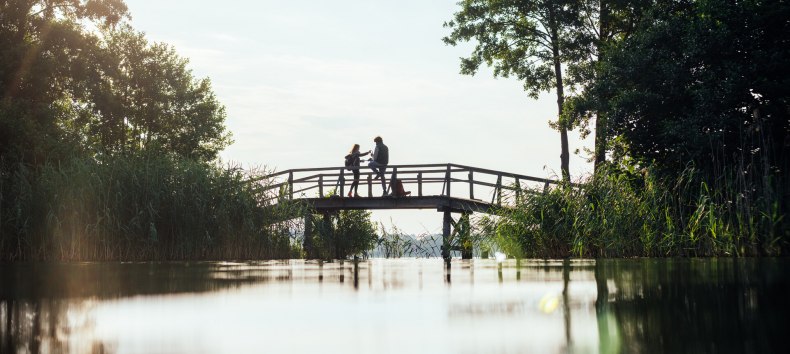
pixel 378 139
pixel 355 147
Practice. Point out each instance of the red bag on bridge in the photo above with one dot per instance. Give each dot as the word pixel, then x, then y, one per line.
pixel 398 190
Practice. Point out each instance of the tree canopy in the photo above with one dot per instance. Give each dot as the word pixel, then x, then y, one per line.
pixel 703 82
pixel 528 39
pixel 670 82
pixel 75 77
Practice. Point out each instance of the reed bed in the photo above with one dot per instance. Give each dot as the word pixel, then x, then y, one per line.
pixel 627 214
pixel 141 207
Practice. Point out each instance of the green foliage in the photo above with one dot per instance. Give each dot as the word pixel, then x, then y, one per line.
pixel 529 39
pixel 394 243
pixel 43 52
pixel 692 93
pixel 148 99
pixel 605 24
pixel 702 82
pixel 623 213
pixel 138 207
pixel 342 234
pixel 105 140
pixel 517 37
pixel 355 232
pixel 64 89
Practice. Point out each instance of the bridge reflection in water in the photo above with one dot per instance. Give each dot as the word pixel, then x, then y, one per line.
pixel 446 188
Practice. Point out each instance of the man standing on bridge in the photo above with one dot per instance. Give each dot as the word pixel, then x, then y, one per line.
pixel 381 157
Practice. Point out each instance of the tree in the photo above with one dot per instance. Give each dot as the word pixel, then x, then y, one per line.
pixel 701 91
pixel 701 82
pixel 342 234
pixel 42 51
pixel 529 39
pixel 148 99
pixel 605 24
pixel 64 89
pixel 356 233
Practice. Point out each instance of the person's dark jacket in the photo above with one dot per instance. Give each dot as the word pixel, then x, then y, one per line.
pixel 355 158
pixel 382 154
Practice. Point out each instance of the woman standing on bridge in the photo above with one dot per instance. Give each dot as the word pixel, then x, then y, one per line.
pixel 355 155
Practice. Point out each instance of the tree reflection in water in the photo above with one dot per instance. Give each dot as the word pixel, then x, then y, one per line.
pixel 605 306
pixel 41 304
pixel 43 326
pixel 693 305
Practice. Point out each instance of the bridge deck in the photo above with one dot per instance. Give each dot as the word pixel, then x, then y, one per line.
pixel 439 203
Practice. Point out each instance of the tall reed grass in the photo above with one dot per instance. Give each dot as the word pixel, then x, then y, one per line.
pixel 394 243
pixel 143 207
pixel 624 214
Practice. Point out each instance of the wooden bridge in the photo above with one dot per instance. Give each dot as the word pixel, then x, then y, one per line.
pixel 447 188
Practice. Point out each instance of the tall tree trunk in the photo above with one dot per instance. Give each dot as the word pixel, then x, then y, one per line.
pixel 600 139
pixel 555 48
pixel 600 120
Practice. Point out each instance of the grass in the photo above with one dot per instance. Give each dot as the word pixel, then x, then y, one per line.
pixel 142 207
pixel 622 214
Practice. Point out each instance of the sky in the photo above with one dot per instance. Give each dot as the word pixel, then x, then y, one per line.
pixel 302 81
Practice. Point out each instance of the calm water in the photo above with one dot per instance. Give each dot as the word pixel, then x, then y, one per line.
pixel 397 306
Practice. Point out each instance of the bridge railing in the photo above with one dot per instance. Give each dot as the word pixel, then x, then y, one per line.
pixel 422 180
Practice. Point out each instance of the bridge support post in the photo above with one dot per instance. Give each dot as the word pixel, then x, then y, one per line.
pixel 446 236
pixel 342 182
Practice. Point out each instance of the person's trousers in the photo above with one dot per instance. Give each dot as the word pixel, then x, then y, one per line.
pixel 379 169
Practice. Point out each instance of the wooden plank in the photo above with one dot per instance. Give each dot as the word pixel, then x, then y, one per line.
pixel 447 178
pixel 412 180
pixel 499 190
pixel 419 184
pixel 505 174
pixel 446 221
pixel 335 168
pixel 370 185
pixel 342 182
pixel 329 182
pixel 400 172
pixel 455 167
pixel 303 190
pixel 384 203
pixel 291 185
pixel 442 180
pixel 471 185
pixel 518 190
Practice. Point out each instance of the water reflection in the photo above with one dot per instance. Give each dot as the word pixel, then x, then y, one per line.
pixel 406 305
pixel 697 305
